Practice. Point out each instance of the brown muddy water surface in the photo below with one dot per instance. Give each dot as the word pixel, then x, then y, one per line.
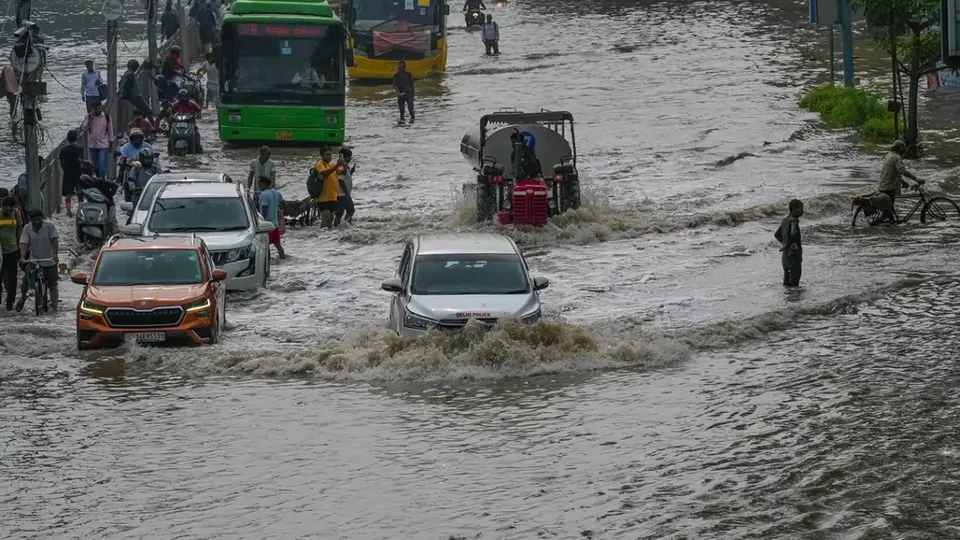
pixel 674 391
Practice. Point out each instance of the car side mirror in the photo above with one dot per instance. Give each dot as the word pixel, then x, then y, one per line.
pixel 393 285
pixel 126 206
pixel 265 226
pixel 219 275
pixel 348 58
pixel 133 229
pixel 446 9
pixel 540 283
pixel 79 278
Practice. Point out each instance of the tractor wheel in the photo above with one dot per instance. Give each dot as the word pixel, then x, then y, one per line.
pixel 486 202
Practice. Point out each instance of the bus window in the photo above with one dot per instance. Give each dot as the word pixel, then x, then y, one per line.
pixel 385 15
pixel 280 59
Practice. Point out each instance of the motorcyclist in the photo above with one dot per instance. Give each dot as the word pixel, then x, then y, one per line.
pixel 135 143
pixel 109 190
pixel 185 105
pixel 139 176
pixel 171 68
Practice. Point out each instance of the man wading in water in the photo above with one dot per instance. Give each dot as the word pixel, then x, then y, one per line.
pixel 403 84
pixel 789 237
pixel 891 177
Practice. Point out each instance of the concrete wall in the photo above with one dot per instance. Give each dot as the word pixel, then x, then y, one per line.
pixel 51 176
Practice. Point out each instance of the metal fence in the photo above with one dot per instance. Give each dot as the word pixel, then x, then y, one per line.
pixel 51 175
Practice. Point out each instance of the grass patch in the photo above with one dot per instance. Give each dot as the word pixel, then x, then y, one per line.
pixel 857 108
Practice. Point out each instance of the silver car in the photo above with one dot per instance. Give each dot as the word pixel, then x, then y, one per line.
pixel 224 217
pixel 138 215
pixel 444 280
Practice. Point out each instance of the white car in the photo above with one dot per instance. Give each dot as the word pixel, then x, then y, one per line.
pixel 444 280
pixel 222 214
pixel 139 214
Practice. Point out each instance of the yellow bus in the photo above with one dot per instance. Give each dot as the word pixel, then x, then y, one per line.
pixel 384 32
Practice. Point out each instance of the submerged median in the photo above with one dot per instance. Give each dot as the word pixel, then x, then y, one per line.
pixel 860 109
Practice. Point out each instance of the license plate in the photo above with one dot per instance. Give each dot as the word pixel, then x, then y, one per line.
pixel 284 136
pixel 149 337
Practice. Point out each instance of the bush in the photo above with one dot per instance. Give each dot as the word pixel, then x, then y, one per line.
pixel 858 108
pixel 878 130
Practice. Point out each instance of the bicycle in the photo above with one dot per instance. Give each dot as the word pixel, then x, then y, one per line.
pixel 35 280
pixel 939 208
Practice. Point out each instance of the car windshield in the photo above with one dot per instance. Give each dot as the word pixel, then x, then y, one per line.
pixel 469 274
pixel 148 267
pixel 147 196
pixel 201 214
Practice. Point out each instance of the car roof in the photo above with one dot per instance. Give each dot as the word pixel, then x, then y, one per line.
pixel 156 242
pixel 199 189
pixel 464 243
pixel 189 176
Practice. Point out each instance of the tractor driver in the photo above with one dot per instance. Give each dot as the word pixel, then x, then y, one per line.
pixel 529 164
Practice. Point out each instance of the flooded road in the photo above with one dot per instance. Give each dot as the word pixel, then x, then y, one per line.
pixel 675 390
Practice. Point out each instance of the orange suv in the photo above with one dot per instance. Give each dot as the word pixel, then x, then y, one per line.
pixel 153 291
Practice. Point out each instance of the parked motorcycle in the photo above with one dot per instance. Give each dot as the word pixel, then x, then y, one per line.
pixel 92 219
pixel 184 138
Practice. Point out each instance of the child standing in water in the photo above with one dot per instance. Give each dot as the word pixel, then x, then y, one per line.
pixel 271 202
pixel 789 237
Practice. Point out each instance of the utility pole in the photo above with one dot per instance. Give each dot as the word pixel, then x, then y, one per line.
pixel 112 11
pixel 151 69
pixel 28 59
pixel 846 38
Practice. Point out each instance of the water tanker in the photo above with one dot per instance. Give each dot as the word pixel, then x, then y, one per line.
pixel 526 166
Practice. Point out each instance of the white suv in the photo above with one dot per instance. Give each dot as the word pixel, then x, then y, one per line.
pixel 139 214
pixel 224 217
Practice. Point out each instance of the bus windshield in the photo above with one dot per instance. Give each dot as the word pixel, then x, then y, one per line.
pixel 298 59
pixel 386 15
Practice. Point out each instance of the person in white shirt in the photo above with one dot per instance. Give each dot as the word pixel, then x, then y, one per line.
pixel 209 66
pixel 308 78
pixel 261 166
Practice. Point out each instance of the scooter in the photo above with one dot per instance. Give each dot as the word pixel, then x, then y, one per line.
pixel 184 138
pixel 473 19
pixel 92 219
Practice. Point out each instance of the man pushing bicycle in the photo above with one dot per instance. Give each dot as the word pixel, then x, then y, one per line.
pixel 891 177
pixel 41 244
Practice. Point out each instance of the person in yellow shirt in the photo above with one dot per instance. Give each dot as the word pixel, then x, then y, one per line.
pixel 329 172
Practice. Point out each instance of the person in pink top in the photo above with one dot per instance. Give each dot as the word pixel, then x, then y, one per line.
pixel 11 87
pixel 100 135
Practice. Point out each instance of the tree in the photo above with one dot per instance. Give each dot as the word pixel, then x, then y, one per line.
pixel 913 27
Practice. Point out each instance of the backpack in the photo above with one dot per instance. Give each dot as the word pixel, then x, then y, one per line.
pixel 314 183
pixel 779 234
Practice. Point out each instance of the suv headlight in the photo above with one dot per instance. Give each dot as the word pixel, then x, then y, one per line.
pixel 199 305
pixel 411 320
pixel 235 255
pixel 531 318
pixel 91 308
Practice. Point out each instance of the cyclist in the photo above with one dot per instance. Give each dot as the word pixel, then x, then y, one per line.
pixel 40 240
pixel 891 177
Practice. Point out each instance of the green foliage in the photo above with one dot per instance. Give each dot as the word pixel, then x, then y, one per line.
pixel 878 130
pixel 916 25
pixel 843 107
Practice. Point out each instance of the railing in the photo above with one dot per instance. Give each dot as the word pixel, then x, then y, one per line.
pixel 51 175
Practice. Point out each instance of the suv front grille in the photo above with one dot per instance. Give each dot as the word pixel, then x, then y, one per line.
pixel 134 318
pixel 456 324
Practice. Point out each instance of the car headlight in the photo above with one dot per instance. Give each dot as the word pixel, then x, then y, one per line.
pixel 199 305
pixel 531 318
pixel 240 253
pixel 417 322
pixel 91 308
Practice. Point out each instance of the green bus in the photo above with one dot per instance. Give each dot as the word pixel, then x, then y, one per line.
pixel 282 72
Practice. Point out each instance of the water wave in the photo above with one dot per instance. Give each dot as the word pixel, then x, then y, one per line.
pixel 510 349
